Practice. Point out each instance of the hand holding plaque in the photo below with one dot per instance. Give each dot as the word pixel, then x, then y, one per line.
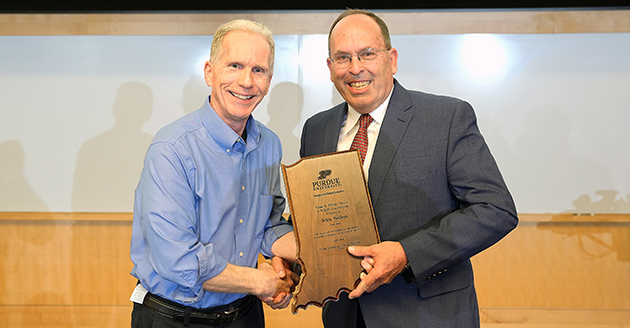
pixel 331 210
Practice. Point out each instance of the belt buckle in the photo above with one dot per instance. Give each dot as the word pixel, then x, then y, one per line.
pixel 229 315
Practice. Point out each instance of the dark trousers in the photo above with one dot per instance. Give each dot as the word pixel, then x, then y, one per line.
pixel 344 313
pixel 144 317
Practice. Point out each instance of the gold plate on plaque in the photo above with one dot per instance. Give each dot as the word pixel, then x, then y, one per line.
pixel 331 210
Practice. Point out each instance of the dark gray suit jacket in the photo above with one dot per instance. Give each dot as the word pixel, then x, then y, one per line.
pixel 437 190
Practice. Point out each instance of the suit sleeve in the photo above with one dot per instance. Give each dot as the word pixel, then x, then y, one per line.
pixel 483 211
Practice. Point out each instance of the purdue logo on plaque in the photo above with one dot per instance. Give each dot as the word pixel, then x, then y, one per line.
pixel 331 210
pixel 324 173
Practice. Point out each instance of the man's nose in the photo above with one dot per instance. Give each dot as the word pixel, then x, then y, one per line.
pixel 245 78
pixel 356 66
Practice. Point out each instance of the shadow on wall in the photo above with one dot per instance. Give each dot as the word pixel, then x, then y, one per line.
pixel 16 194
pixel 107 172
pixel 545 160
pixel 194 94
pixel 109 165
pixel 610 202
pixel 596 239
pixel 286 102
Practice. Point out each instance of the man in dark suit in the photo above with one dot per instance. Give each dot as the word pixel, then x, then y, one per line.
pixel 437 193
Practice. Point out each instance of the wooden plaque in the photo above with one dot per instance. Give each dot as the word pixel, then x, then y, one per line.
pixel 331 210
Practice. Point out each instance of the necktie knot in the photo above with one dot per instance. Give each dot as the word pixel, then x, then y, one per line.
pixel 365 120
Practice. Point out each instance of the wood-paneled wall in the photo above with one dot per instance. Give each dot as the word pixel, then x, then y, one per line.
pixel 72 270
pixel 557 271
pixel 399 22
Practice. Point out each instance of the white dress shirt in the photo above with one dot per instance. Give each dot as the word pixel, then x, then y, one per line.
pixel 350 127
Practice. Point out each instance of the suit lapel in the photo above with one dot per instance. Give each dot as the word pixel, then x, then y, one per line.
pixel 331 133
pixel 394 126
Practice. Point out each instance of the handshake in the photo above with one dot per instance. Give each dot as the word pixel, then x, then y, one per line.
pixel 381 263
pixel 279 273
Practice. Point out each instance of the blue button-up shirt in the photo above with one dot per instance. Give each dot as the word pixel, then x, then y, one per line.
pixel 206 197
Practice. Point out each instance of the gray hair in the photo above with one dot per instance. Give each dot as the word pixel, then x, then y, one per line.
pixel 216 49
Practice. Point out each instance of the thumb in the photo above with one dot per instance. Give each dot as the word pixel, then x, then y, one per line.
pixel 278 265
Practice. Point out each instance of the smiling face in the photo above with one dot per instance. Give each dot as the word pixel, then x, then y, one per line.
pixel 240 77
pixel 365 86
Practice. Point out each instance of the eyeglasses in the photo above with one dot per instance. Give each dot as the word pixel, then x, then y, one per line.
pixel 365 56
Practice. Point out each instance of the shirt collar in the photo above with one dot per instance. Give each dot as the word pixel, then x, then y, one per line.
pixel 223 134
pixel 378 114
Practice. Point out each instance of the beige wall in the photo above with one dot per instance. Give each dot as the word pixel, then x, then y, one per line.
pixel 93 102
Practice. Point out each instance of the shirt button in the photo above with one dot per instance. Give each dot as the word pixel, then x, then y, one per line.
pixel 228 150
pixel 241 254
pixel 243 188
pixel 240 221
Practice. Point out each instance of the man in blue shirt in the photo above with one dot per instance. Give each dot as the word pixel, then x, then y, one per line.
pixel 209 201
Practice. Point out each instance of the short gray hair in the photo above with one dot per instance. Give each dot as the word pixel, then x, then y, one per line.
pixel 216 49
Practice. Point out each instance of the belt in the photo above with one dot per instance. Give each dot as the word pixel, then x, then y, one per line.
pixel 214 316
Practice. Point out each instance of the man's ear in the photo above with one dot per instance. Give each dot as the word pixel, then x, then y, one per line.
pixel 329 63
pixel 207 73
pixel 393 58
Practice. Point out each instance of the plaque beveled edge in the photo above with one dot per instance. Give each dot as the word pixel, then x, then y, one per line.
pixel 294 306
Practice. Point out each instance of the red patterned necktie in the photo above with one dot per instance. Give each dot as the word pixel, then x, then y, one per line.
pixel 360 141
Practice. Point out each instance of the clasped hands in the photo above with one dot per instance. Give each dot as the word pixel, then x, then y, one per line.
pixel 381 262
pixel 287 280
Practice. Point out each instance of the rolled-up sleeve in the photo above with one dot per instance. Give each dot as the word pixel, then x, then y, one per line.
pixel 169 224
pixel 277 226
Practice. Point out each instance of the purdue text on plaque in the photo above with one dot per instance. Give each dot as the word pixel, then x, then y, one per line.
pixel 331 210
